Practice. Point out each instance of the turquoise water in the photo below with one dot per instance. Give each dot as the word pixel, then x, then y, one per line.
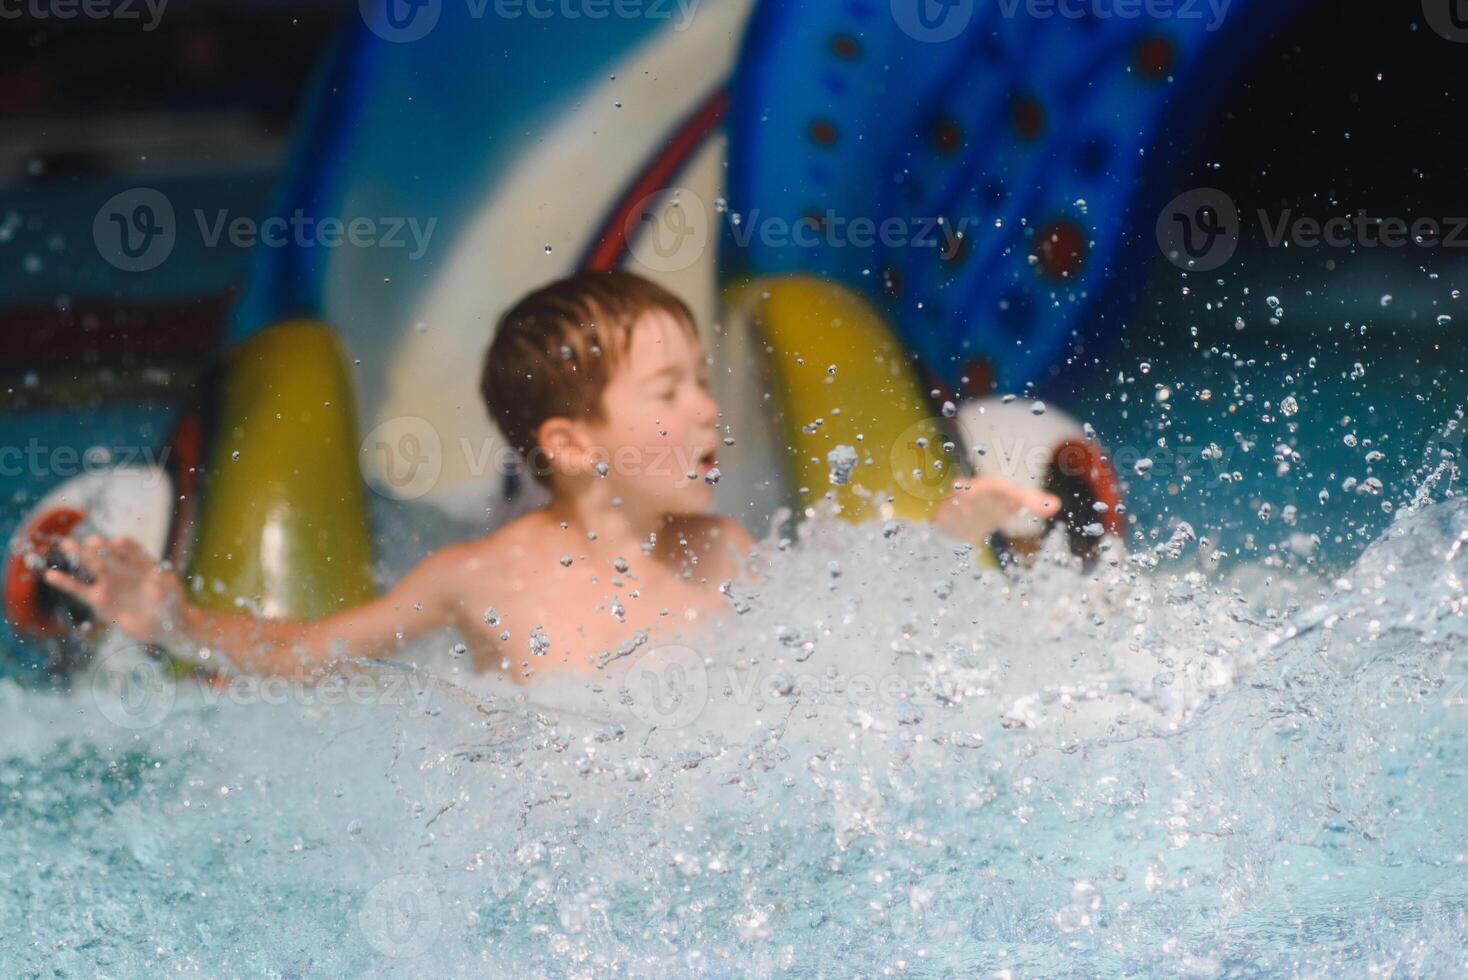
pixel 891 762
pixel 1237 750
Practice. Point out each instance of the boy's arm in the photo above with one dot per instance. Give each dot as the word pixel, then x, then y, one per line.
pixel 146 601
pixel 979 505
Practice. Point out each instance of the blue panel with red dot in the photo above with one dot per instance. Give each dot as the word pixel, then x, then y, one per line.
pixel 986 172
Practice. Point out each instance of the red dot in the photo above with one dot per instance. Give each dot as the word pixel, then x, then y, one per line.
pixel 845 46
pixel 1029 117
pixel 1060 249
pixel 947 137
pixel 823 132
pixel 1155 56
pixel 980 374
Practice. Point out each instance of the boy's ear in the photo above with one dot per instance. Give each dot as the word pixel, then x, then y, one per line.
pixel 559 437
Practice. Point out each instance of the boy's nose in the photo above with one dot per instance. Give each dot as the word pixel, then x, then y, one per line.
pixel 707 408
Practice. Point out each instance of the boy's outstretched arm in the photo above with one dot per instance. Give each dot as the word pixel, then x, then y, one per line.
pixel 980 504
pixel 146 601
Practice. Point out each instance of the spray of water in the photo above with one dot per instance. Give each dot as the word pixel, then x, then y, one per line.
pixel 885 759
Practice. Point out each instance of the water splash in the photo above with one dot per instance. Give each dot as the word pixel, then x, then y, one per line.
pixel 893 759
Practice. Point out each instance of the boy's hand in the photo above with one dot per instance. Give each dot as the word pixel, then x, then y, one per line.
pixel 979 505
pixel 127 587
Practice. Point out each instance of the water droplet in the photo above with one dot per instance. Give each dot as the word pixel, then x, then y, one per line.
pixel 841 460
pixel 1289 406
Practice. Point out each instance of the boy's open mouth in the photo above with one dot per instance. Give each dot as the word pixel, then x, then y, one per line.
pixel 707 460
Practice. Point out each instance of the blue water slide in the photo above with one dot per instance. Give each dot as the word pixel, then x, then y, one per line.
pixel 1048 141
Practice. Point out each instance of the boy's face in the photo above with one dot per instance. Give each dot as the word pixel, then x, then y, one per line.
pixel 659 435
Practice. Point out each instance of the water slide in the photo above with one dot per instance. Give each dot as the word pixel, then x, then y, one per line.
pixel 879 212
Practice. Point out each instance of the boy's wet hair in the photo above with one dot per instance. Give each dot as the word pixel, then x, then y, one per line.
pixel 554 350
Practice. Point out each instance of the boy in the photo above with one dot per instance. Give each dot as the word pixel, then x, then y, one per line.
pixel 600 382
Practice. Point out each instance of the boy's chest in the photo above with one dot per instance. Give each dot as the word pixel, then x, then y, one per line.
pixel 515 622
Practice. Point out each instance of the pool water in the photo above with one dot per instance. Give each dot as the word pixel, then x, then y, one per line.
pixel 889 761
pixel 1238 749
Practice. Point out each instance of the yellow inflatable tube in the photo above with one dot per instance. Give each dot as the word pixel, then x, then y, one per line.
pixel 843 379
pixel 283 522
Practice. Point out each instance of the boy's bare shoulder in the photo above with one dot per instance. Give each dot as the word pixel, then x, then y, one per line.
pixel 714 535
pixel 504 546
